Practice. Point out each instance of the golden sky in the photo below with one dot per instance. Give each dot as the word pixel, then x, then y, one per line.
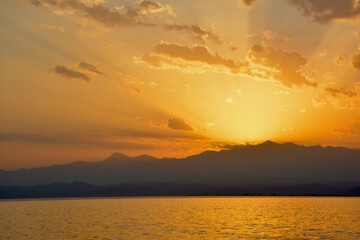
pixel 81 79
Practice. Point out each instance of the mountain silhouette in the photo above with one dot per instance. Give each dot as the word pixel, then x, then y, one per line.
pixel 264 164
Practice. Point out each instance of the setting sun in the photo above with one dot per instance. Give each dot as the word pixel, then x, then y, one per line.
pixel 82 79
pixel 179 119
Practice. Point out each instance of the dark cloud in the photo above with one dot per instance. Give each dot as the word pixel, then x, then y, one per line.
pixel 119 138
pixel 323 11
pixel 70 73
pixel 98 141
pixel 81 71
pixel 179 124
pixel 336 92
pixel 247 3
pixel 355 61
pixel 286 67
pixel 91 67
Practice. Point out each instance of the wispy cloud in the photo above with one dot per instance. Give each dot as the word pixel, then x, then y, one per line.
pixel 52 27
pixel 91 67
pixel 88 140
pixel 199 33
pixel 338 92
pixel 70 73
pixel 102 15
pixel 138 15
pixel 350 130
pixel 79 71
pixel 323 11
pixel 179 124
pixel 269 36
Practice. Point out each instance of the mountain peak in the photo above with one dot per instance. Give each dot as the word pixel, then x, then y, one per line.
pixel 268 162
pixel 118 155
pixel 268 143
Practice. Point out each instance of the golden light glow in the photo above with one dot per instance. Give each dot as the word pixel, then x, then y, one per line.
pixel 82 80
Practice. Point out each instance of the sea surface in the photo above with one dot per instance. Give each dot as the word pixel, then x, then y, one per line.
pixel 182 218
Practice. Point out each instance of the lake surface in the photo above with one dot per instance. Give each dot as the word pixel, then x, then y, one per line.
pixel 182 218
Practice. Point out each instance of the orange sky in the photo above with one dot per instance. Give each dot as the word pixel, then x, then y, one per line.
pixel 81 79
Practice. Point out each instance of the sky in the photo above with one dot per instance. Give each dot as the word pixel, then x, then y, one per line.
pixel 81 79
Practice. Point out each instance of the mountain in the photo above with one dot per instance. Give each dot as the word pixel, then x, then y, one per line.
pixel 264 164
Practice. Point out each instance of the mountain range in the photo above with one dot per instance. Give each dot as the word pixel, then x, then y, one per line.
pixel 264 164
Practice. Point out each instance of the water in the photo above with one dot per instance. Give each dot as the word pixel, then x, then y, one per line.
pixel 182 218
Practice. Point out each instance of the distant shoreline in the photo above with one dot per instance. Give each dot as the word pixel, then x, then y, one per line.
pixel 86 190
pixel 180 196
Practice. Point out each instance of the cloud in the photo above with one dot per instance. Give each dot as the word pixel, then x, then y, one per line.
pixel 318 101
pixel 129 16
pixel 102 15
pixel 165 52
pixel 263 62
pixel 70 73
pixel 81 71
pixel 339 60
pixel 302 110
pixel 179 124
pixel 285 67
pixel 51 27
pixel 145 8
pixel 336 92
pixel 323 53
pixel 339 98
pixel 209 124
pixel 196 53
pixel 282 92
pixel 90 140
pixel 269 36
pixel 229 100
pixel 323 11
pixel 247 3
pixel 352 129
pixel 284 107
pixel 287 129
pixel 117 138
pixel 355 61
pixel 198 32
pixel 91 67
pixel 238 91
